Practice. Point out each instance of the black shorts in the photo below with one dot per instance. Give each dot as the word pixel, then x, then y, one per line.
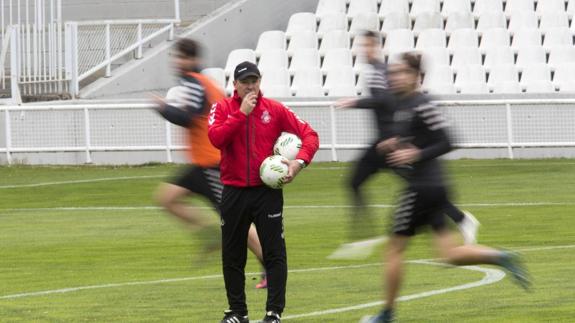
pixel 420 206
pixel 202 181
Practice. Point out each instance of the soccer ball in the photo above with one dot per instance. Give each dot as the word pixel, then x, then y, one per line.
pixel 273 171
pixel 287 145
pixel 175 96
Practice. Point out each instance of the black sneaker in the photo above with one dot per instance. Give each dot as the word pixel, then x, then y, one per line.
pixel 231 317
pixel 385 316
pixel 271 317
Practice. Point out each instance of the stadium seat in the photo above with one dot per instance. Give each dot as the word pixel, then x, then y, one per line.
pixel 427 20
pixel 305 58
pixel 485 6
pixel 462 38
pixel 550 20
pixel 395 20
pixel 361 6
pixel 507 87
pixel 535 73
pixel 271 39
pixel 325 7
pixel 470 75
pixel 457 20
pixel 230 85
pixel 302 39
pixel 523 20
pixel 432 37
pixel 335 58
pixel 450 6
pixel 517 6
pixel 527 56
pixel 465 56
pixel 526 38
pixel 550 6
pixel 310 92
pixel 276 91
pixel 503 73
pixel 560 56
pixel 398 40
pixel 571 10
pixel 400 6
pixel 473 88
pixel 237 56
pixel 496 37
pixel 558 37
pixel 539 87
pixel 273 58
pixel 217 74
pixel 275 76
pixel 342 91
pixel 564 75
pixel 332 21
pixel 364 21
pixel 420 6
pixel 568 87
pixel 340 77
pixel 438 76
pixel 489 20
pixel 435 56
pixel 306 77
pixel 495 56
pixel 334 39
pixel 301 21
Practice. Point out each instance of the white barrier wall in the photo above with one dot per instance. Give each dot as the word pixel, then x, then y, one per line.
pixel 132 133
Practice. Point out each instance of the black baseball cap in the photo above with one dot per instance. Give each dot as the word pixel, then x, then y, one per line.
pixel 246 69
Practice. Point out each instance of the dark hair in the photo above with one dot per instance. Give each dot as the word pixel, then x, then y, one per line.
pixel 413 60
pixel 188 47
pixel 370 34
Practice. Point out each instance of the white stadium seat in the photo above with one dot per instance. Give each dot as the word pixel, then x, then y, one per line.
pixel 237 56
pixel 560 56
pixel 337 57
pixel 558 37
pixel 439 75
pixel 535 73
pixel 571 10
pixel 526 38
pixel 332 21
pixel 435 56
pixel 457 20
pixel 217 74
pixel 306 77
pixel 325 7
pixel 364 21
pixel 342 91
pixel 273 58
pixel 449 6
pixel 361 6
pixel 275 76
pixel 462 38
pixel 395 20
pixel 302 39
pixel 496 37
pixel 398 40
pixel 310 92
pixel 539 87
pixel 506 87
pixel 276 91
pixel 564 75
pixel 334 39
pixel 427 20
pixel 465 56
pixel 432 37
pixel 469 76
pixel 484 6
pixel 527 56
pixel 568 87
pixel 271 39
pixel 523 20
pixel 339 78
pixel 503 73
pixel 401 6
pixel 495 56
pixel 305 58
pixel 473 88
pixel 550 20
pixel 553 6
pixel 489 20
pixel 515 6
pixel 419 6
pixel 301 21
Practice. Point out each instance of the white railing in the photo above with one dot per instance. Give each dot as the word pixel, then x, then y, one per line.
pixel 118 127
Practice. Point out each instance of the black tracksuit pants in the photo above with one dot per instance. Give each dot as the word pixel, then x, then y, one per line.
pixel 262 206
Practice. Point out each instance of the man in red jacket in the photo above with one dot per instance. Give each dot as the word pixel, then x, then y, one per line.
pixel 245 128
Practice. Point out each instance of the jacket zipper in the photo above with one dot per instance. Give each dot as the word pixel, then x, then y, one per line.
pixel 248 150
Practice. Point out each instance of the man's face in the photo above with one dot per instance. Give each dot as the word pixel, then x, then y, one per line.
pixel 402 79
pixel 183 63
pixel 247 85
pixel 369 47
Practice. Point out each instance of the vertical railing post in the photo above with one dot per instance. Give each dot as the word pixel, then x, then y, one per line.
pixel 139 50
pixel 87 135
pixel 168 142
pixel 177 10
pixel 509 122
pixel 15 65
pixel 333 133
pixel 71 57
pixel 108 52
pixel 8 135
pixel 171 33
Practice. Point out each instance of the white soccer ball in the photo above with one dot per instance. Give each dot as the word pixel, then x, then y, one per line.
pixel 176 95
pixel 287 145
pixel 273 171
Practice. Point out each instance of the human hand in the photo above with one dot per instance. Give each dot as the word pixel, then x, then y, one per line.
pixel 249 103
pixel 294 167
pixel 160 103
pixel 345 103
pixel 404 156
pixel 388 145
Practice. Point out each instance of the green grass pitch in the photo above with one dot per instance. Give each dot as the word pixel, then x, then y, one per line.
pixel 97 229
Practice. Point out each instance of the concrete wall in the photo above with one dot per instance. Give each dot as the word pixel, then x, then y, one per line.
pixel 236 25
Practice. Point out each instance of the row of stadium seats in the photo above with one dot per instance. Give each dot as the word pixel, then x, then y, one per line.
pixel 445 7
pixel 304 22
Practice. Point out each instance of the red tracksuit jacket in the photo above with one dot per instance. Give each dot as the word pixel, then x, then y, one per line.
pixel 245 141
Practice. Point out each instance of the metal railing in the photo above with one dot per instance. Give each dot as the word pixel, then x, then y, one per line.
pixel 115 127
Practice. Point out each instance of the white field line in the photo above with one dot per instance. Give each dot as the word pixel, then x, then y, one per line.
pixel 327 206
pixel 80 181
